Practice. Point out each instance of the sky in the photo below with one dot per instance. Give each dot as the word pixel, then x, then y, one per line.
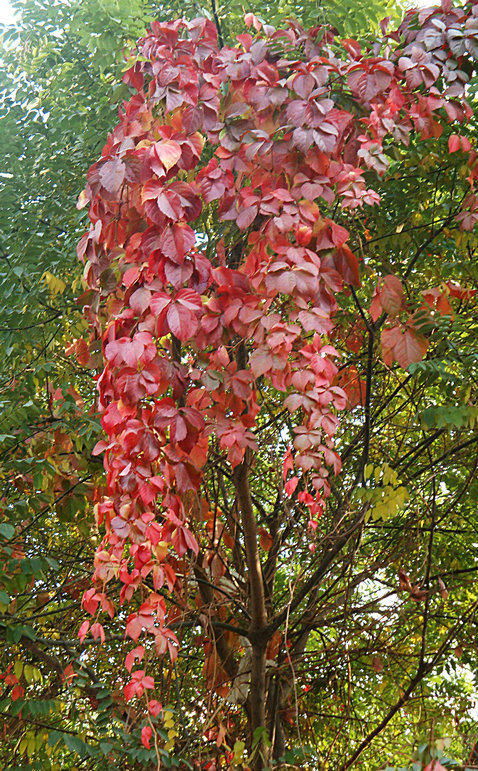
pixel 6 14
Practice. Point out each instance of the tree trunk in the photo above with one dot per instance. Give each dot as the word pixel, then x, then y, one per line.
pixel 257 629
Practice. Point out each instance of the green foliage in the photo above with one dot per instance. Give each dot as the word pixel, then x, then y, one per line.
pixel 60 87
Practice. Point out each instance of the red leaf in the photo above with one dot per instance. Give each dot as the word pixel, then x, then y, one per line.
pixel 403 345
pixel 98 632
pixel 131 352
pixel 297 110
pixel 176 241
pixel 391 295
pixel 454 143
pixel 181 321
pixel 376 305
pixel 261 362
pixel 130 276
pixel 16 693
pixel 137 622
pixel 169 152
pixel 344 261
pixel 293 402
pixel 136 653
pixel 83 631
pixel 155 708
pixel 189 299
pixel 151 190
pixel 281 279
pixel 159 302
pixel 434 765
pixel 182 311
pixel 90 601
pixel 146 734
pixel 138 683
pixel 411 347
pixel 170 205
pixel 291 485
pixel 68 674
pixel 462 293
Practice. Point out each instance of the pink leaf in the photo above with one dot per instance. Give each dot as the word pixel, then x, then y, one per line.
pixel 140 300
pixel 169 205
pixel 246 217
pixel 112 175
pixel 251 19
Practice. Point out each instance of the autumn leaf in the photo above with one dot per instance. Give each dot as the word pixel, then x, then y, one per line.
pixel 377 664
pixel 404 345
pixel 146 733
pixel 168 152
pixel 265 538
pixel 112 175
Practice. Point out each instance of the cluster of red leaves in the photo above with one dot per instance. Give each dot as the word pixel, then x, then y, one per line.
pixel 187 338
pixel 11 681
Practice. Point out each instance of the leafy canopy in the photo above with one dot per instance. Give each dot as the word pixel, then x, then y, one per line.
pixel 259 209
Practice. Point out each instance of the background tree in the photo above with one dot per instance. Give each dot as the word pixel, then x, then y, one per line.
pixel 48 467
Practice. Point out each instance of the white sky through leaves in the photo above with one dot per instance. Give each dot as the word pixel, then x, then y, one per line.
pixel 6 12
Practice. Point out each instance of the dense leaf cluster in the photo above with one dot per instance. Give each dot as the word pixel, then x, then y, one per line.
pixel 371 589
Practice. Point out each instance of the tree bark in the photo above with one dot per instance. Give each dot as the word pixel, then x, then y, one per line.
pixel 257 629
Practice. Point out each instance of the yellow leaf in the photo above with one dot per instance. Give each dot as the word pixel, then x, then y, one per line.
pixel 31 745
pixel 161 550
pixel 238 750
pixel 18 669
pixel 55 285
pixel 39 741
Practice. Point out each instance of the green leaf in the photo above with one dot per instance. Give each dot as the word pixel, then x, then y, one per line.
pixel 7 530
pixel 75 744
